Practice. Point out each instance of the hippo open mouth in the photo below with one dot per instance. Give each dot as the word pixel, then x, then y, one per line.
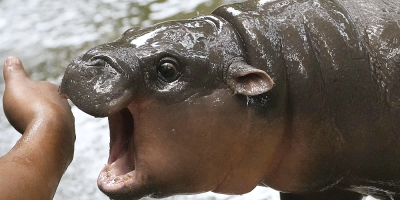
pixel 120 169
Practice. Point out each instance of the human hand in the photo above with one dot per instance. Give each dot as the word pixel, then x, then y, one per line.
pixel 30 105
pixel 39 159
pixel 27 101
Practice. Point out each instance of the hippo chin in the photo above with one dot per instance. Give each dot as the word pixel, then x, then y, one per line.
pixel 301 96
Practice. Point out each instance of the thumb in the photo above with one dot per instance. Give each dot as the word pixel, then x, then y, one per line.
pixel 13 70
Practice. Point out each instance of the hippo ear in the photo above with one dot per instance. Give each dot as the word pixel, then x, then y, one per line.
pixel 247 80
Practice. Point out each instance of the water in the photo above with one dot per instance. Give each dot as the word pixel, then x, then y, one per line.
pixel 48 34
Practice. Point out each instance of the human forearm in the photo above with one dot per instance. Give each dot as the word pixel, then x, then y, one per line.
pixel 37 162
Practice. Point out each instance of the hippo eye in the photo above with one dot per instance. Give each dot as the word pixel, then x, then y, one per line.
pixel 168 69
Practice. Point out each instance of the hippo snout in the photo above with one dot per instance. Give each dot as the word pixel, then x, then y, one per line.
pixel 109 85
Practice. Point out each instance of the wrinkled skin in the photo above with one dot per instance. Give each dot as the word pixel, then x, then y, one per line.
pixel 301 96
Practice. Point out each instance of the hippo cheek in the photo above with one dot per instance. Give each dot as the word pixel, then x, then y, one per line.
pixel 149 157
pixel 190 147
pixel 136 167
pixel 140 162
pixel 158 153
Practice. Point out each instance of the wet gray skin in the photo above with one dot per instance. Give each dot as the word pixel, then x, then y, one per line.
pixel 302 96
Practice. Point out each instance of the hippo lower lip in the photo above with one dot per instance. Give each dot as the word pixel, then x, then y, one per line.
pixel 119 172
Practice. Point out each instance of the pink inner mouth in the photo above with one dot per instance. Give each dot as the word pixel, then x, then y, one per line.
pixel 120 170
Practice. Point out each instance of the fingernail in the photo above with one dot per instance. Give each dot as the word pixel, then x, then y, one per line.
pixel 8 61
pixel 11 60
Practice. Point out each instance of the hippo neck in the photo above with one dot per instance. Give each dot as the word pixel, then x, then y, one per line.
pixel 323 81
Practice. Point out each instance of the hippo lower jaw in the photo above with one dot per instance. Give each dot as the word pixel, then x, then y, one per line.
pixel 119 175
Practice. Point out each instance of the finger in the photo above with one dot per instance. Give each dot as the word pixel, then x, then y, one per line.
pixel 13 70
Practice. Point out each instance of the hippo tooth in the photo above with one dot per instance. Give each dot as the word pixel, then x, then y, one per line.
pixel 126 177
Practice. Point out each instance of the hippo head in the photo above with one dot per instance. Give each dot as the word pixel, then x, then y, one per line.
pixel 175 95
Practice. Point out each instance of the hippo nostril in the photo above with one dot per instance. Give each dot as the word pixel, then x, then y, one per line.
pixel 97 62
pixel 105 61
